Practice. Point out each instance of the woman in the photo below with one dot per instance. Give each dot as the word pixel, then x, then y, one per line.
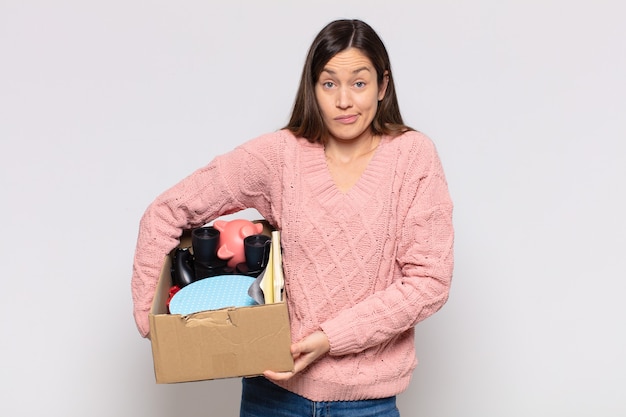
pixel 365 217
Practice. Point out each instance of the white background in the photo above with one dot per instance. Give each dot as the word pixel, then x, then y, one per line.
pixel 103 105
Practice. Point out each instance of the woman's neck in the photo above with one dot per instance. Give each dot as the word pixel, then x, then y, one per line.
pixel 346 152
pixel 346 161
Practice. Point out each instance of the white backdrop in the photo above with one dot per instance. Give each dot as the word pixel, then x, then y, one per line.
pixel 103 105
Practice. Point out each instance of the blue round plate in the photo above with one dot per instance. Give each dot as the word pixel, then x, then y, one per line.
pixel 212 294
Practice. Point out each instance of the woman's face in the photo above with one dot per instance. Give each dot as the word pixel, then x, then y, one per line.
pixel 347 93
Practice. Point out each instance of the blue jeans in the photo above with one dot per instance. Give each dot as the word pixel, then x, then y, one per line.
pixel 262 398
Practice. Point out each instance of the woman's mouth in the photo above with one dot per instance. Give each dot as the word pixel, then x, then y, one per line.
pixel 347 118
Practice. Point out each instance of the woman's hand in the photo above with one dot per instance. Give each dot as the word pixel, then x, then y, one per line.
pixel 304 353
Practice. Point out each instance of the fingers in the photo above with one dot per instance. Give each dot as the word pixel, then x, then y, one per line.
pixel 304 353
pixel 298 365
pixel 278 376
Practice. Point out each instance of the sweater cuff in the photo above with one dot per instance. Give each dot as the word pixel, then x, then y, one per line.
pixel 142 321
pixel 341 337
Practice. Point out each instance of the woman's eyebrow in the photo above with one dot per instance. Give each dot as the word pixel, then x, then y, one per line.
pixel 356 71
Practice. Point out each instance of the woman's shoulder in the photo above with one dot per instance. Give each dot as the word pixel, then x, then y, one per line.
pixel 413 141
pixel 280 138
pixel 412 136
pixel 267 138
pixel 278 147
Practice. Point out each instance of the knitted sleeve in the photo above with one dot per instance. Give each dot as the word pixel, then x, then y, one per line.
pixel 232 182
pixel 424 262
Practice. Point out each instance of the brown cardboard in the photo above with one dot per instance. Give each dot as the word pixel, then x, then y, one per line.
pixel 225 343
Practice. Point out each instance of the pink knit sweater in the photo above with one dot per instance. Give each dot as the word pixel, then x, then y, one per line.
pixel 364 266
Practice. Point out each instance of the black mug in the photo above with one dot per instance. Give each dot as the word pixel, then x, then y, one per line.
pixel 257 251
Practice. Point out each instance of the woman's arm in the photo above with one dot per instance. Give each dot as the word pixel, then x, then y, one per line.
pixel 240 179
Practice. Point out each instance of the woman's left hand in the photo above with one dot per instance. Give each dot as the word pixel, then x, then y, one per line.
pixel 304 353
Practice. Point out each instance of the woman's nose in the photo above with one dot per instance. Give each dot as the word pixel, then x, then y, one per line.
pixel 344 99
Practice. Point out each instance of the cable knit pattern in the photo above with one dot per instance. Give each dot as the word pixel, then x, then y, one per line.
pixel 364 266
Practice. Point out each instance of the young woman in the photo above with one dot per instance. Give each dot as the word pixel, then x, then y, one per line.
pixel 365 216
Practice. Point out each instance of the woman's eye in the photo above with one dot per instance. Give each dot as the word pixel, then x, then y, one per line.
pixel 359 84
pixel 328 84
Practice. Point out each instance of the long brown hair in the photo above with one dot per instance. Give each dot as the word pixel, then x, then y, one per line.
pixel 306 118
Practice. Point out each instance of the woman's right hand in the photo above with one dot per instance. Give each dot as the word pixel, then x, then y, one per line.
pixel 304 353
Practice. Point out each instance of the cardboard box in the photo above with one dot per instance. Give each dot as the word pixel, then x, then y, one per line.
pixel 225 343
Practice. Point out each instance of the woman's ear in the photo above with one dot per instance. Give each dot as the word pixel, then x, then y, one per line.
pixel 382 89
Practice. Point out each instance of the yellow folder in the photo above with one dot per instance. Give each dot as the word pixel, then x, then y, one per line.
pixel 267 282
pixel 277 261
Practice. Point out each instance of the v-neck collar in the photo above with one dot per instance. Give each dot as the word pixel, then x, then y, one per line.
pixel 317 174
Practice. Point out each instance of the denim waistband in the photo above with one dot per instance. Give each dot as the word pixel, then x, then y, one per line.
pixel 262 398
